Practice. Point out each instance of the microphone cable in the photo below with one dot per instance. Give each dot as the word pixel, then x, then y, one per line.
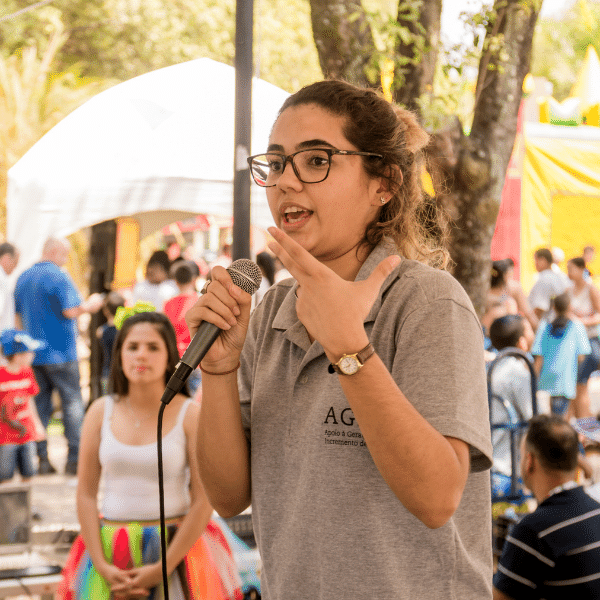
pixel 161 497
pixel 247 276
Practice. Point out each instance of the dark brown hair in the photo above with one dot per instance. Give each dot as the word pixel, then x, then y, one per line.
pixel 118 383
pixel 578 261
pixel 374 125
pixel 545 254
pixel 554 442
pixel 112 301
pixel 505 332
pixel 499 271
pixel 7 248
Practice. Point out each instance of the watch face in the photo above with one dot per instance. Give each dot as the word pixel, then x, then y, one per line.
pixel 349 365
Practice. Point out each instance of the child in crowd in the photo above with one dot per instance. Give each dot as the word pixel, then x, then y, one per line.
pixel 511 381
pixel 20 426
pixel 156 288
pixel 107 333
pixel 185 275
pixel 557 348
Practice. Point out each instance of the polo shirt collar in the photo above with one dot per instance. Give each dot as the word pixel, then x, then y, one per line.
pixel 287 320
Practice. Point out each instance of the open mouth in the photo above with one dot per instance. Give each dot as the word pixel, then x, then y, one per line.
pixel 295 214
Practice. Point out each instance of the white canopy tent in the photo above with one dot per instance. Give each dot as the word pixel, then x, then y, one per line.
pixel 158 147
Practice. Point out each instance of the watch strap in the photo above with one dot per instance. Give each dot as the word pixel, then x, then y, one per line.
pixel 362 356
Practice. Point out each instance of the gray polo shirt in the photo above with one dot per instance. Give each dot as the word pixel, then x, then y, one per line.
pixel 327 524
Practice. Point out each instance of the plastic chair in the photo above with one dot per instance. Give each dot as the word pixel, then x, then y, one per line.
pixel 514 424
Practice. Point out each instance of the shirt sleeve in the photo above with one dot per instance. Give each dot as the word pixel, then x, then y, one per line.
pixel 539 296
pixel 583 342
pixel 520 389
pixel 67 294
pixel 525 563
pixel 439 367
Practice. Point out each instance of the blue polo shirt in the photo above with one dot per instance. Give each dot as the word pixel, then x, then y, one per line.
pixel 42 293
pixel 554 553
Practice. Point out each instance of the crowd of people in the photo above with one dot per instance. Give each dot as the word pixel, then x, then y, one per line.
pixel 562 318
pixel 555 547
pixel 346 403
pixel 114 436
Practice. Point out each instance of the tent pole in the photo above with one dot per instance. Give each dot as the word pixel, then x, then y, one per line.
pixel 243 111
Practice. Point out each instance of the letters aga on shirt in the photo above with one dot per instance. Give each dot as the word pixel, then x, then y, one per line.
pixel 327 524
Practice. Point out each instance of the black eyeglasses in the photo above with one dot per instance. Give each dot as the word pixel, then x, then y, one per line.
pixel 310 166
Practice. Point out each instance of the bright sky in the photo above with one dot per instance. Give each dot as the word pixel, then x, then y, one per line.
pixel 451 24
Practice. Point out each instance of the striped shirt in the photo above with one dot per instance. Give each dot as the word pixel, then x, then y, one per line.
pixel 554 552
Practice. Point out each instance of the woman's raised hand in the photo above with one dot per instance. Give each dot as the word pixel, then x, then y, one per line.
pixel 228 307
pixel 332 309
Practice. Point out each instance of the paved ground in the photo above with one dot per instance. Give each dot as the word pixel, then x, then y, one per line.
pixel 53 496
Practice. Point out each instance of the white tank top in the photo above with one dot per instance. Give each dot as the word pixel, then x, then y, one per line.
pixel 131 473
pixel 581 304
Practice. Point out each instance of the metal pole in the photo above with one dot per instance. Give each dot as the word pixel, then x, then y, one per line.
pixel 243 112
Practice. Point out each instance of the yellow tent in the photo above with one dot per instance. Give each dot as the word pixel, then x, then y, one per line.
pixel 560 194
pixel 551 196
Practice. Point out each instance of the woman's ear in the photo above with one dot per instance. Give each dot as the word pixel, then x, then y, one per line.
pixel 386 185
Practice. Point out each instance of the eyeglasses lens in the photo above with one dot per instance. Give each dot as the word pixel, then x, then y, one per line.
pixel 312 166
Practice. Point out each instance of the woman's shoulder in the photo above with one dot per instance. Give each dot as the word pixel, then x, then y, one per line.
pixel 189 416
pixel 183 407
pixel 425 284
pixel 94 414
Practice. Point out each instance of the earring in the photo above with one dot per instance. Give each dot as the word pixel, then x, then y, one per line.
pixel 383 200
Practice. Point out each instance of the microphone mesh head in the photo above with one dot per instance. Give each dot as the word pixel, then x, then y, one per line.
pixel 245 274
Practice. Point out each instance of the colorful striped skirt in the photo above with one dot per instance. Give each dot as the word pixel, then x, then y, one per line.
pixel 208 572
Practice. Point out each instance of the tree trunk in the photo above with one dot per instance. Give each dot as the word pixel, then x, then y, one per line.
pixel 483 156
pixel 418 57
pixel 468 171
pixel 343 39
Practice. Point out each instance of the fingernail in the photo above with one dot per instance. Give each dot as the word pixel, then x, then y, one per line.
pixel 233 321
pixel 236 311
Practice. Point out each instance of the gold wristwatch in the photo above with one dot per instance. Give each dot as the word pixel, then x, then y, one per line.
pixel 350 364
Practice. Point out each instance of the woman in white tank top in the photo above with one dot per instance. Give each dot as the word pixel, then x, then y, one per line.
pixel 118 554
pixel 585 305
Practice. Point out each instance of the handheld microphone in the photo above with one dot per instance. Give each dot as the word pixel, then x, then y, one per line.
pixel 247 276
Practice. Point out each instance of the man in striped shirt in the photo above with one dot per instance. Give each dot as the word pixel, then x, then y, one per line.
pixel 553 552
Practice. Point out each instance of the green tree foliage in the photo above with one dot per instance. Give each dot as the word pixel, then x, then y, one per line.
pixel 58 55
pixel 123 38
pixel 559 46
pixel 33 99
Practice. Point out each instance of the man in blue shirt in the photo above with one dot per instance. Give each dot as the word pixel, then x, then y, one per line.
pixel 48 304
pixel 553 552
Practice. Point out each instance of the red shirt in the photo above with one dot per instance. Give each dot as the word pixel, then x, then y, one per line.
pixel 16 391
pixel 175 309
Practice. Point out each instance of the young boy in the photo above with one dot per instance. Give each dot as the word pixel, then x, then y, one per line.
pixel 20 426
pixel 558 349
pixel 511 381
pixel 185 275
pixel 107 333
